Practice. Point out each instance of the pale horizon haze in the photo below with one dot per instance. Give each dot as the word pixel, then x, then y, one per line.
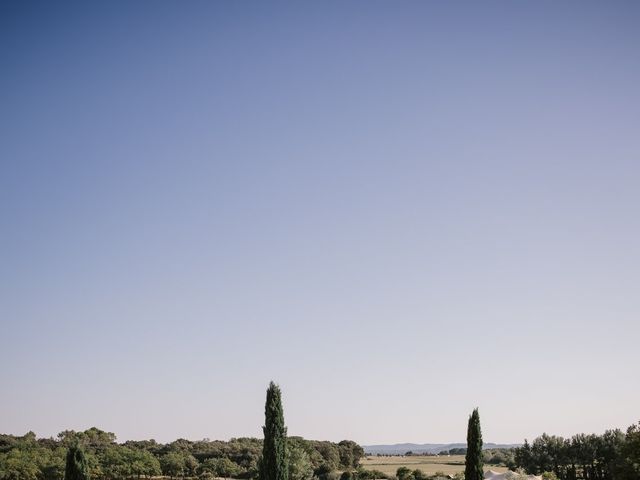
pixel 398 211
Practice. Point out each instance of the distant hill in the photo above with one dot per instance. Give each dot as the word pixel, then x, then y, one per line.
pixel 433 448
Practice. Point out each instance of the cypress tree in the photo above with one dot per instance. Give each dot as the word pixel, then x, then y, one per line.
pixel 77 467
pixel 473 465
pixel 273 465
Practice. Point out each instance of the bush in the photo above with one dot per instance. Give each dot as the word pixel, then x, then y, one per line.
pixel 346 476
pixel 403 473
pixel 419 475
pixel 362 474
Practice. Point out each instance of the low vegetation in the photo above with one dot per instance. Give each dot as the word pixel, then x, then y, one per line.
pixel 428 465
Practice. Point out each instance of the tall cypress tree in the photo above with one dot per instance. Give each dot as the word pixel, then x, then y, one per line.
pixel 273 465
pixel 77 467
pixel 473 465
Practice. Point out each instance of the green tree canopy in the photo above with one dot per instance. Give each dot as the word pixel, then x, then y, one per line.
pixel 300 467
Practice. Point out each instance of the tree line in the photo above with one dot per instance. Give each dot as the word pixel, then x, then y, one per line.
pixel 614 455
pixel 95 454
pixel 29 458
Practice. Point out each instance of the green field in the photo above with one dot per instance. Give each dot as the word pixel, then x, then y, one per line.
pixel 428 464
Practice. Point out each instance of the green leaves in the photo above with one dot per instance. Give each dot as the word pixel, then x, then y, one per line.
pixel 300 467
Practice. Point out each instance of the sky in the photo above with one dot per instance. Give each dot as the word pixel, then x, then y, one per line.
pixel 398 211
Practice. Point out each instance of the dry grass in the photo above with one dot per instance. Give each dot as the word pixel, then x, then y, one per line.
pixel 428 464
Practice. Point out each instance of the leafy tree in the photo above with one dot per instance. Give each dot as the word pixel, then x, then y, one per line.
pixel 220 467
pixel 114 463
pixel 300 467
pixel 245 452
pixel 524 457
pixel 350 454
pixel 18 465
pixel 329 452
pixel 148 445
pixel 98 439
pixel 77 467
pixel 173 464
pixel 52 462
pixel 142 463
pixel 191 464
pixel 628 465
pixel 473 469
pixel 273 465
pixel 92 438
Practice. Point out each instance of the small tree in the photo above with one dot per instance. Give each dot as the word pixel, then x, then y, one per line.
pixel 473 465
pixel 300 467
pixel 77 467
pixel 221 467
pixel 404 473
pixel 273 465
pixel 173 464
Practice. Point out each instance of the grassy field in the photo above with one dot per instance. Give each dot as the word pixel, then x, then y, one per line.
pixel 428 464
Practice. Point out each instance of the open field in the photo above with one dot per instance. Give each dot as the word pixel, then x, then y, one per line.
pixel 428 464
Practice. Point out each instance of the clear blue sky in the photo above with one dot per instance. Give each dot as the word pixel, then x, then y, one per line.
pixel 397 210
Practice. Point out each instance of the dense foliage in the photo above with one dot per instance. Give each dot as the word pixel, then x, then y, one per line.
pixel 454 451
pixel 405 473
pixel 273 464
pixel 30 458
pixel 473 464
pixel 500 456
pixel 611 456
pixel 76 467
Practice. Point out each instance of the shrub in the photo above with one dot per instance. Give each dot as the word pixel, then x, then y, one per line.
pixel 347 475
pixel 419 475
pixel 403 473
